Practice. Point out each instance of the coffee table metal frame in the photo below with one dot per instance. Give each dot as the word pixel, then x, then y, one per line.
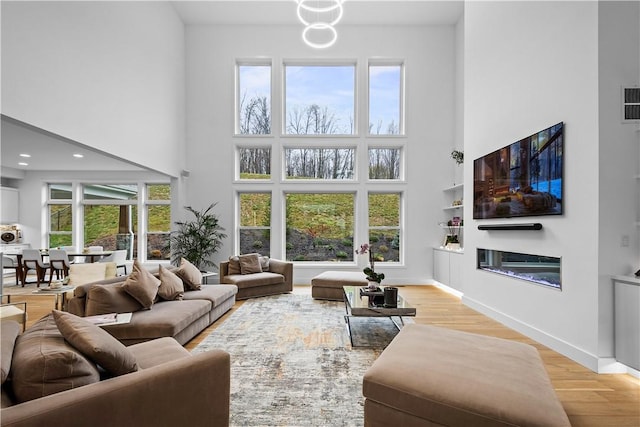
pixel 363 306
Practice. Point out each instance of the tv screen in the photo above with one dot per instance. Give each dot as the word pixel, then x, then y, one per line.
pixel 521 179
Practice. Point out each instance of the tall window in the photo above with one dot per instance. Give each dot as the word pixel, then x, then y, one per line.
pixel 254 99
pixel 158 206
pixel 255 223
pixel 320 226
pixel 60 214
pixel 385 99
pixel 320 99
pixel 110 216
pixel 384 226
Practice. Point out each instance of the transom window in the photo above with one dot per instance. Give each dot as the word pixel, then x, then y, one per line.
pixel 319 163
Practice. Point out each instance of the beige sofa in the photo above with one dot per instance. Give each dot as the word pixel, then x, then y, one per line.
pixel 181 319
pixel 274 277
pixel 170 388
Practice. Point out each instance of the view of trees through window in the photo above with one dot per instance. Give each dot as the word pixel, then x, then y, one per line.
pixel 319 163
pixel 255 223
pixel 158 221
pixel 60 213
pixel 254 99
pixel 384 163
pixel 384 226
pixel 319 100
pixel 320 226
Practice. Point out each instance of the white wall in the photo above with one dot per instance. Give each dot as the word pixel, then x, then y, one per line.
pixel 529 65
pixel 109 75
pixel 429 55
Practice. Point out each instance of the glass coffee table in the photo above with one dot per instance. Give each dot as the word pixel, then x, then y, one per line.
pixel 358 305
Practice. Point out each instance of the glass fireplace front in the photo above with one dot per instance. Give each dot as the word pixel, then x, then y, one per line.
pixel 541 270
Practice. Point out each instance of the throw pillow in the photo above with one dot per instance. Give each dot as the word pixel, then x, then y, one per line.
pixel 80 274
pixel 190 275
pixel 250 263
pixel 95 343
pixel 105 299
pixel 264 263
pixel 171 287
pixel 234 265
pixel 142 285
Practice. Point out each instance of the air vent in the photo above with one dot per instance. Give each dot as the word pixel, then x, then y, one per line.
pixel 631 104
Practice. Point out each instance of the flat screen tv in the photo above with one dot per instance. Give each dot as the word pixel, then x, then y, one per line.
pixel 521 179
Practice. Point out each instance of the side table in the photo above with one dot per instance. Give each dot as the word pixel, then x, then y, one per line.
pixel 206 275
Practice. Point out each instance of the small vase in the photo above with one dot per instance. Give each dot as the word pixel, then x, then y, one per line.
pixel 373 285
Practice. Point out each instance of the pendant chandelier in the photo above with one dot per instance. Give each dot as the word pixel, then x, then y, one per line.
pixel 319 18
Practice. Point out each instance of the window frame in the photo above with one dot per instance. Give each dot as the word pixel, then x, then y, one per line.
pixel 399 227
pixel 402 119
pixel 57 202
pixel 254 62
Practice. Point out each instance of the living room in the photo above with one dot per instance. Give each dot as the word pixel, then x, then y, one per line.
pixel 153 84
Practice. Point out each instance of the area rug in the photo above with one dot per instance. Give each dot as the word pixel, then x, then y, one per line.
pixel 292 363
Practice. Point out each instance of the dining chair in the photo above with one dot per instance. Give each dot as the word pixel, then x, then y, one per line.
pixel 119 257
pixel 11 263
pixel 32 260
pixel 58 263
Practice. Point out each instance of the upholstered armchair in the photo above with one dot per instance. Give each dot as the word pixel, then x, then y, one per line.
pixel 256 275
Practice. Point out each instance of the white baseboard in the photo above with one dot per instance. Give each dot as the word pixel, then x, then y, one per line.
pixel 586 359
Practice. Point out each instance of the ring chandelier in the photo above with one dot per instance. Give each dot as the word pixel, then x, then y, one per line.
pixel 319 18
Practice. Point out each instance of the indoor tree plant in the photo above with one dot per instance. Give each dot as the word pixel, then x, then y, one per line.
pixel 197 239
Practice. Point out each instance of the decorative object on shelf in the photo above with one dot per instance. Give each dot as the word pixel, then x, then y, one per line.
pixel 452 241
pixel 373 277
pixel 198 239
pixel 458 156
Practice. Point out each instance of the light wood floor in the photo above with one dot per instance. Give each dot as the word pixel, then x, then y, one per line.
pixel 590 400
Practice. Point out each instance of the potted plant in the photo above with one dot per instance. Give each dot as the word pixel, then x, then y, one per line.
pixel 458 156
pixel 373 277
pixel 197 239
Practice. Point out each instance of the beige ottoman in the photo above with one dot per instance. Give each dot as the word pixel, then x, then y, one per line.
pixel 435 376
pixel 328 285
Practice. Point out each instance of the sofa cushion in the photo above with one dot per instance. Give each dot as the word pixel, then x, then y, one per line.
pixel 256 279
pixel 167 319
pixel 9 331
pixel 158 351
pixel 190 275
pixel 105 299
pixel 171 286
pixel 234 265
pixel 95 343
pixel 44 363
pixel 250 264
pixel 82 273
pixel 142 285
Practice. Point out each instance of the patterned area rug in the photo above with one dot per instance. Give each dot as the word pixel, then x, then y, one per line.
pixel 292 363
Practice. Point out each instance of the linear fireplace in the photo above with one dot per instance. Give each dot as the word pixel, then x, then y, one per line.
pixel 541 270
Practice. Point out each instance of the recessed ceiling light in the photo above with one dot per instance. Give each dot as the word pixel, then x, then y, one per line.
pixel 78 156
pixel 23 164
pixel 25 155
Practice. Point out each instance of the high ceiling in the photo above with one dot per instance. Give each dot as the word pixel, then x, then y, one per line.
pixel 19 138
pixel 356 12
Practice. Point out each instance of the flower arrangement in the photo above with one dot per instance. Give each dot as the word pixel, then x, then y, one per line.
pixel 372 276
